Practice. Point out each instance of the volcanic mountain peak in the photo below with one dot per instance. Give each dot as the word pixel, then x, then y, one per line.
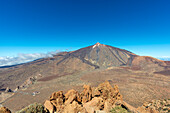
pixel 100 55
pixel 98 44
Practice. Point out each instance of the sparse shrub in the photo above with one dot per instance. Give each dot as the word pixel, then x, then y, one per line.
pixel 33 108
pixel 118 109
pixel 161 103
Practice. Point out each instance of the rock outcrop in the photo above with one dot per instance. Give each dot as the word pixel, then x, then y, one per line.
pixel 86 95
pixel 28 82
pixel 90 100
pixel 48 105
pixel 4 110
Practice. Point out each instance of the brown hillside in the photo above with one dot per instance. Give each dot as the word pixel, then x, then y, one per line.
pixel 139 77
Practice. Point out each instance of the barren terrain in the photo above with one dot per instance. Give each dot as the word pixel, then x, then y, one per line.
pixel 140 78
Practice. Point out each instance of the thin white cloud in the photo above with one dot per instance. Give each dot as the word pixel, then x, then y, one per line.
pixel 23 58
pixel 165 58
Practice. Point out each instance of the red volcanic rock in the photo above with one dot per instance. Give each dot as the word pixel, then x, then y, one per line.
pixel 98 99
pixel 72 95
pixel 57 99
pixel 56 95
pixel 4 110
pixel 97 103
pixel 104 97
pixel 49 106
pixel 106 91
pixel 86 94
pixel 74 107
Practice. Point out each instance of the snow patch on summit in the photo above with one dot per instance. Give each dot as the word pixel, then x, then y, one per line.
pixel 97 44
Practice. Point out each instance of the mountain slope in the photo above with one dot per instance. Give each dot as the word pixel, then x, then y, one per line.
pixel 142 78
pixel 103 56
pixel 98 56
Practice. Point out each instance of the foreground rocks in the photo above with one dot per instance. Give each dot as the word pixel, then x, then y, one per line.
pixel 101 99
pixel 90 100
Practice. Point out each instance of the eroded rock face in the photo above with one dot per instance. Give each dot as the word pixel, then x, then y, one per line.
pixel 97 103
pixel 71 96
pixel 104 97
pixel 48 105
pixel 86 94
pixel 74 107
pixel 106 91
pixel 57 99
pixel 4 110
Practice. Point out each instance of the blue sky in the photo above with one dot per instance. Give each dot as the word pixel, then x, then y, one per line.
pixel 32 26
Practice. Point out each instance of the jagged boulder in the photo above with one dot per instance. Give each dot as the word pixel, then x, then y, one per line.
pixel 97 103
pixel 4 110
pixel 71 96
pixel 57 99
pixel 57 95
pixel 86 95
pixel 106 91
pixel 49 106
pixel 74 107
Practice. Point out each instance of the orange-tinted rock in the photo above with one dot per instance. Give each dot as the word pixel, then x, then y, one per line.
pixel 49 106
pixel 72 95
pixel 74 108
pixel 102 98
pixel 56 95
pixel 96 103
pixel 4 110
pixel 106 91
pixel 86 94
pixel 57 99
pixel 129 107
pixel 108 106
